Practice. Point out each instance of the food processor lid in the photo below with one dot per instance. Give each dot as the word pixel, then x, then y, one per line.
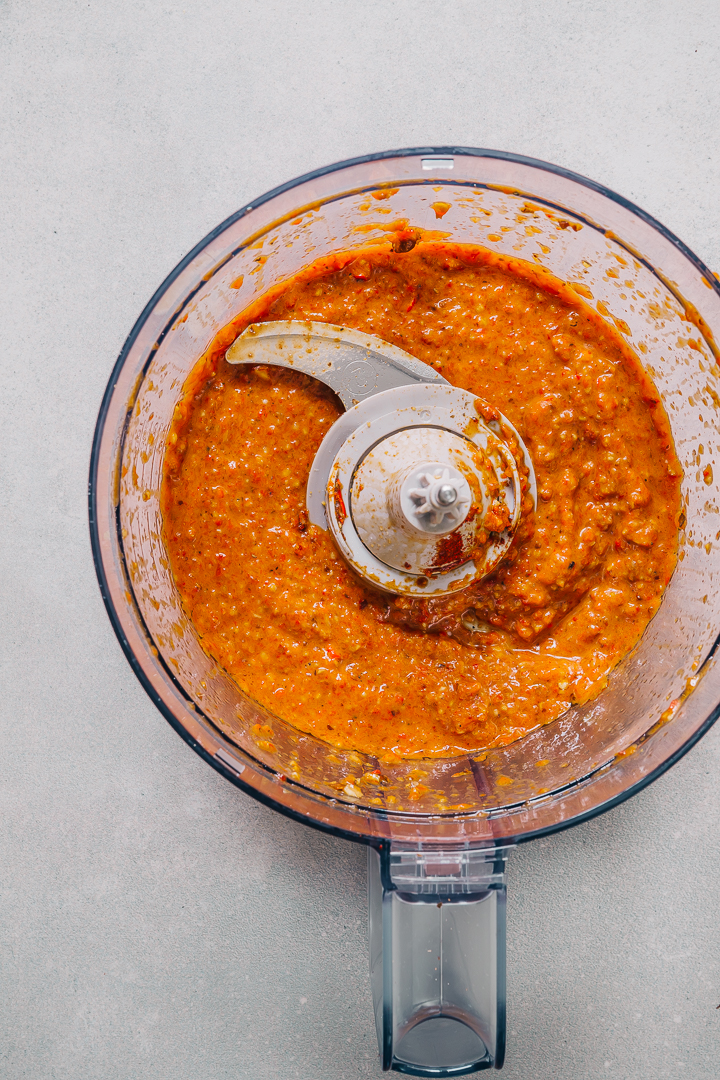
pixel 420 483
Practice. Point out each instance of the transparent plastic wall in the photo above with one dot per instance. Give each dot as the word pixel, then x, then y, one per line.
pixel 621 264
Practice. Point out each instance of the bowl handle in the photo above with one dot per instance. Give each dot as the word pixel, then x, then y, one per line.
pixel 437 958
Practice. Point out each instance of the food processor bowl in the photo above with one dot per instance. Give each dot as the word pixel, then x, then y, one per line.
pixel 438 830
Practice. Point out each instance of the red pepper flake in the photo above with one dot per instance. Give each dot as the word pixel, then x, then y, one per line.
pixel 340 511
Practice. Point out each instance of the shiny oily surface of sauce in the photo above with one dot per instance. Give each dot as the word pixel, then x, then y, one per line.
pixel 277 607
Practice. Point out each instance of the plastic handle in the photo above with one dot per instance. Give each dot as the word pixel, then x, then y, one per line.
pixel 437 958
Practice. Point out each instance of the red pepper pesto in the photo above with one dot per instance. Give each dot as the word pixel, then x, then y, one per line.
pixel 277 607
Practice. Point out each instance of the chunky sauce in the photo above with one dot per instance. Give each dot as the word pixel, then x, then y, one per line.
pixel 277 607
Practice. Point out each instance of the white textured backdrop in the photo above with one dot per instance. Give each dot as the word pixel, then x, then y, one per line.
pixel 155 923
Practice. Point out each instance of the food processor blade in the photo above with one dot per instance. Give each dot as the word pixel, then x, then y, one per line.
pixel 353 364
pixel 412 463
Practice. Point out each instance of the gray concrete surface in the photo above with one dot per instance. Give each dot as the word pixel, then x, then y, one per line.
pixel 154 922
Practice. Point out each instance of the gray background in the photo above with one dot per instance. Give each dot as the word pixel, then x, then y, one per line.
pixel 155 922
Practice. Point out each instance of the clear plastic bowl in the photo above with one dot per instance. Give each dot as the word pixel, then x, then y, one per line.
pixel 659 700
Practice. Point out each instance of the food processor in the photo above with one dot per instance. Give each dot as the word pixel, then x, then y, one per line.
pixel 437 462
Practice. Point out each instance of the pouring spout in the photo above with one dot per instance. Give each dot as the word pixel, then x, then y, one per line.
pixel 437 958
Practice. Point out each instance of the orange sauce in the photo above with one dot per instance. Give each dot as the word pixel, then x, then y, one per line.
pixel 277 607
